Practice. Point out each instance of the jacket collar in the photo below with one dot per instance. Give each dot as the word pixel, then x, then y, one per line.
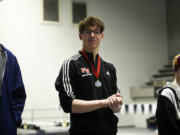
pixel 90 56
pixel 2 48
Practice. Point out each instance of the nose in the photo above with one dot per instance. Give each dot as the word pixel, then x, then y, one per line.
pixel 92 34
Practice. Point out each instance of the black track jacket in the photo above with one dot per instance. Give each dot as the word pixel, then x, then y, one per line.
pixel 77 81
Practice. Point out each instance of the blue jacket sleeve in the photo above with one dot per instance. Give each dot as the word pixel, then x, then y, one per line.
pixel 18 95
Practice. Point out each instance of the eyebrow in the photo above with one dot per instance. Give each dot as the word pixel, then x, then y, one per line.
pixel 92 30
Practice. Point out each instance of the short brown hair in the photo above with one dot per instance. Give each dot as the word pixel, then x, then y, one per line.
pixel 90 21
pixel 176 62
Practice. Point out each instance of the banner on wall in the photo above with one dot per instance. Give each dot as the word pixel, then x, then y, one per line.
pixel 139 108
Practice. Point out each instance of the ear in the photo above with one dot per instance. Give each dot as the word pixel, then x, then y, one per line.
pixel 102 35
pixel 80 36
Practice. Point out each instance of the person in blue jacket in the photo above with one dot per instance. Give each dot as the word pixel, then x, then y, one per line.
pixel 12 93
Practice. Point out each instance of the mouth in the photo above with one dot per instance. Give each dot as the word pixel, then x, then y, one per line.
pixel 92 40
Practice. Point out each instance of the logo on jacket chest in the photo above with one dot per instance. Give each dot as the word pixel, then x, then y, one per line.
pixel 85 72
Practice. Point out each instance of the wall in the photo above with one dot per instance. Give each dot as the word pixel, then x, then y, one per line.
pixel 173 28
pixel 135 42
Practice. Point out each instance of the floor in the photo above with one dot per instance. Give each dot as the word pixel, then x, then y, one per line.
pixel 136 131
pixel 63 131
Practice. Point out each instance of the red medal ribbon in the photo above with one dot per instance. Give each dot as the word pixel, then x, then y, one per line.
pixel 96 72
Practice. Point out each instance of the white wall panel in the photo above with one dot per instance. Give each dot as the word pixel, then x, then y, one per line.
pixel 135 41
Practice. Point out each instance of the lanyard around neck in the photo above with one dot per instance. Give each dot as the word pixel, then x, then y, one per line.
pixel 96 72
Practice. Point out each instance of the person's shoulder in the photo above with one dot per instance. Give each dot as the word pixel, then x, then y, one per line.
pixel 167 92
pixel 72 59
pixel 108 64
pixel 75 57
pixel 8 52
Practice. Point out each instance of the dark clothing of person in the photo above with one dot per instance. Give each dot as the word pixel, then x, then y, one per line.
pixel 12 94
pixel 168 121
pixel 77 81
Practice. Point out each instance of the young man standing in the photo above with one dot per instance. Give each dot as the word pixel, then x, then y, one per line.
pixel 87 85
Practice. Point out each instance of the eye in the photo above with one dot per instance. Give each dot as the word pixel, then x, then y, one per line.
pixel 87 32
pixel 96 32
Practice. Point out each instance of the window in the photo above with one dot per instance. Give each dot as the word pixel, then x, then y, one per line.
pixel 51 10
pixel 78 10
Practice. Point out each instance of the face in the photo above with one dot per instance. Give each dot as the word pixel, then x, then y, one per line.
pixel 91 38
pixel 177 74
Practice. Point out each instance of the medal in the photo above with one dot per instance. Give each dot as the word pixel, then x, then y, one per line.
pixel 96 72
pixel 98 83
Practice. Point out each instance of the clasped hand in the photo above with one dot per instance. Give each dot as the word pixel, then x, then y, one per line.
pixel 115 102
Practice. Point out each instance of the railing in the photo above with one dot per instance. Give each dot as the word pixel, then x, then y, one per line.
pixel 56 115
pixel 47 115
